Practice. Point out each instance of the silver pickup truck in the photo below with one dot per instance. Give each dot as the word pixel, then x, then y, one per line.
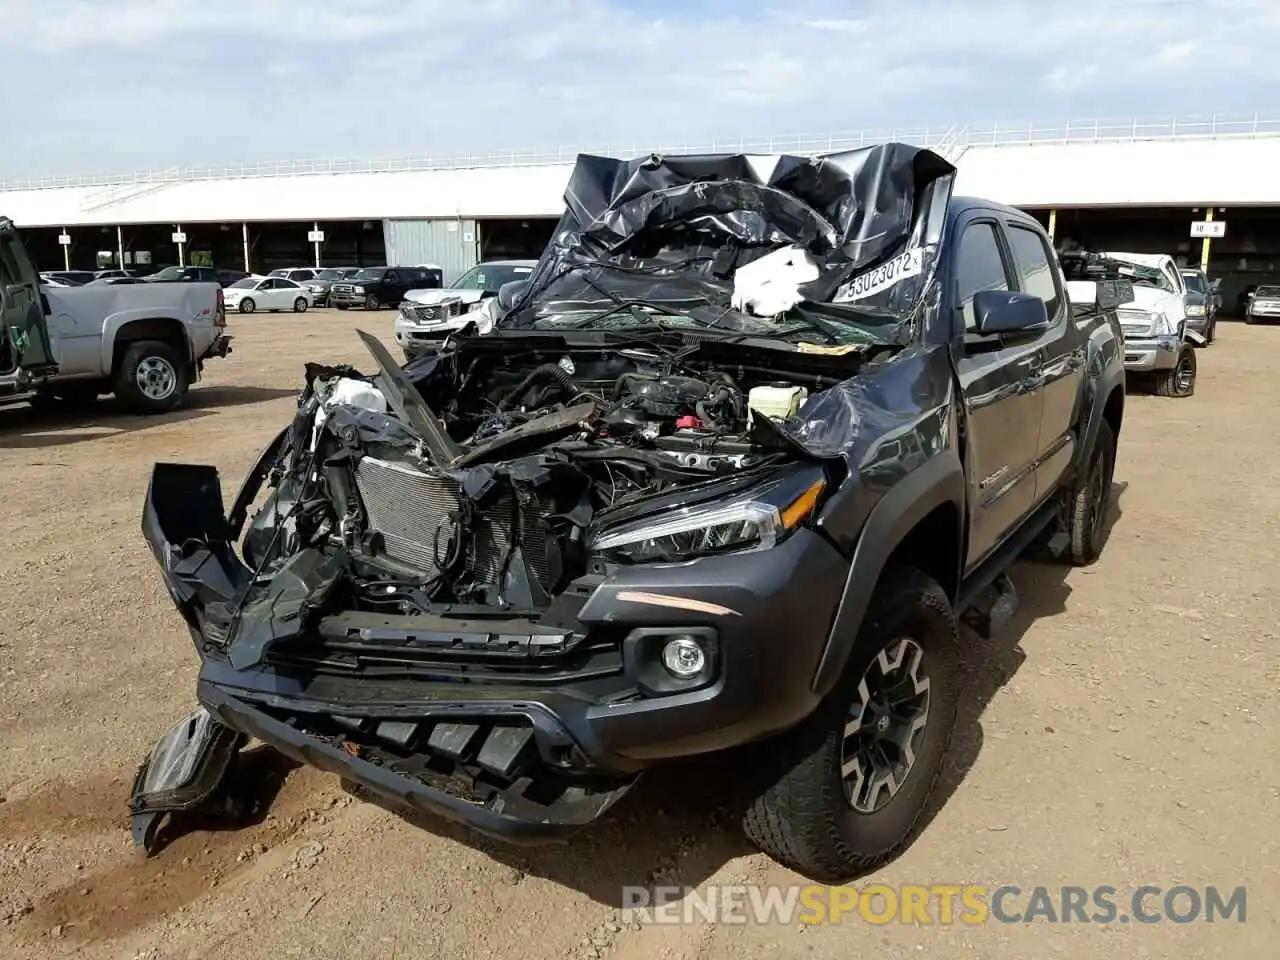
pixel 145 343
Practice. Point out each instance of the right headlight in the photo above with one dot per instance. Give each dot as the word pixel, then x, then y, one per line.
pixel 755 521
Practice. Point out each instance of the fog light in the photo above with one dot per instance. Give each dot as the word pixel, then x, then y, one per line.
pixel 684 658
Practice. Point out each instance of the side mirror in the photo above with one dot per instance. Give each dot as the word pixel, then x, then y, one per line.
pixel 1008 311
pixel 510 292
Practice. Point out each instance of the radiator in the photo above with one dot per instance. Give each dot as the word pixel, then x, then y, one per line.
pixel 411 509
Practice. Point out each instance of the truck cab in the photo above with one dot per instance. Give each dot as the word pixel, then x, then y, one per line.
pixel 25 348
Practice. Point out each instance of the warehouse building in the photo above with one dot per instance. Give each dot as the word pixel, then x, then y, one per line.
pixel 1202 190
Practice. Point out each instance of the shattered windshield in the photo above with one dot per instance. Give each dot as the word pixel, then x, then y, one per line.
pixel 1144 276
pixel 837 249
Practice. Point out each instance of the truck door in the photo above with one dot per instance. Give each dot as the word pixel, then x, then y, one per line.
pixel 1062 356
pixel 1000 384
pixel 24 335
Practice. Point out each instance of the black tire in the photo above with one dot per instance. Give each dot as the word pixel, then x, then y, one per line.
pixel 300 305
pixel 1089 500
pixel 341 306
pixel 140 378
pixel 803 816
pixel 247 305
pixel 1181 380
pixel 371 302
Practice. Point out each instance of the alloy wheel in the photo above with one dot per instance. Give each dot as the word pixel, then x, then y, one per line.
pixel 156 378
pixel 886 726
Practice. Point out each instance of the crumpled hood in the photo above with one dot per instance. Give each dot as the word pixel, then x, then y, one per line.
pixel 434 296
pixel 1149 298
pixel 675 230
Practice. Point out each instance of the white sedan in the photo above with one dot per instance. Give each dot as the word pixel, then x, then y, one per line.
pixel 266 293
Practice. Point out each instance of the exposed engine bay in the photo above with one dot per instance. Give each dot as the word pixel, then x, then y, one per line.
pixel 693 332
pixel 537 448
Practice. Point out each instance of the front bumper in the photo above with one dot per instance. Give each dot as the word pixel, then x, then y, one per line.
pixel 1151 354
pixel 548 740
pixel 347 299
pixel 416 340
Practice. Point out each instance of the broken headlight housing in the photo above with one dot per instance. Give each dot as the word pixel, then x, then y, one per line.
pixel 757 521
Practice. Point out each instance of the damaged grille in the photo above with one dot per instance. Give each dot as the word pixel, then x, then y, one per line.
pixel 1134 322
pixel 418 514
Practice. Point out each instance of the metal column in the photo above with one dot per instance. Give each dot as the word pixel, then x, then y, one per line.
pixel 120 246
pixel 182 248
pixel 315 228
pixel 66 252
pixel 244 238
pixel 1204 244
pixel 1053 222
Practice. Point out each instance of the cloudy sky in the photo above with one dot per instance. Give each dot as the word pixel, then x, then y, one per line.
pixel 93 86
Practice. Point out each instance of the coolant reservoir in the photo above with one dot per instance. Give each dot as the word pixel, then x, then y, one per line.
pixel 776 403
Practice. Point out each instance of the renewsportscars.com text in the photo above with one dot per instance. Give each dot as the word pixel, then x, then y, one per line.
pixel 969 904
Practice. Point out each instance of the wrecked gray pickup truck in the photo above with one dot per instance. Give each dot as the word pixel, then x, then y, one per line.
pixel 724 473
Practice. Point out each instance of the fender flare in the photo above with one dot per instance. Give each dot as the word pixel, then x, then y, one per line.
pixel 938 481
pixel 1089 434
pixel 113 323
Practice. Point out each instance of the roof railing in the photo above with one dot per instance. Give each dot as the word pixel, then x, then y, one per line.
pixel 954 139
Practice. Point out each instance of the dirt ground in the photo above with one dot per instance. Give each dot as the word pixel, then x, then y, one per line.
pixel 1123 731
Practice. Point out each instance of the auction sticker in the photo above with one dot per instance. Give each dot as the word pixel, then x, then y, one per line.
pixel 908 264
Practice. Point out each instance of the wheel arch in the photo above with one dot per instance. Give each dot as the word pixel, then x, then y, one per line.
pixel 164 329
pixel 920 522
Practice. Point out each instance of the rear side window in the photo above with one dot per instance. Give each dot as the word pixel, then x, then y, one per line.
pixel 979 266
pixel 1035 267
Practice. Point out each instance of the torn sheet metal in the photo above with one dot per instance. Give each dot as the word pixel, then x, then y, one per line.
pixel 674 231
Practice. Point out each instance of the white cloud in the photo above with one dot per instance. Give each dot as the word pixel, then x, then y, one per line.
pixel 1175 54
pixel 389 77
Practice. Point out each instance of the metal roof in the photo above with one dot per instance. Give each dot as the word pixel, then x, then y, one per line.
pixel 1178 161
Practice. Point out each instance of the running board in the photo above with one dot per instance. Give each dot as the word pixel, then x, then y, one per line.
pixel 986 595
pixel 994 608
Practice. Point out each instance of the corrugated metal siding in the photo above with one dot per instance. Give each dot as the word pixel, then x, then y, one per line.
pixel 453 245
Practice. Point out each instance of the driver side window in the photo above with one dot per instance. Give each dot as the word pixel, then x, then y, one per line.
pixel 979 266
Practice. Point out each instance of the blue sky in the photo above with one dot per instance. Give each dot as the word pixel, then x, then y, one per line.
pixel 94 86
